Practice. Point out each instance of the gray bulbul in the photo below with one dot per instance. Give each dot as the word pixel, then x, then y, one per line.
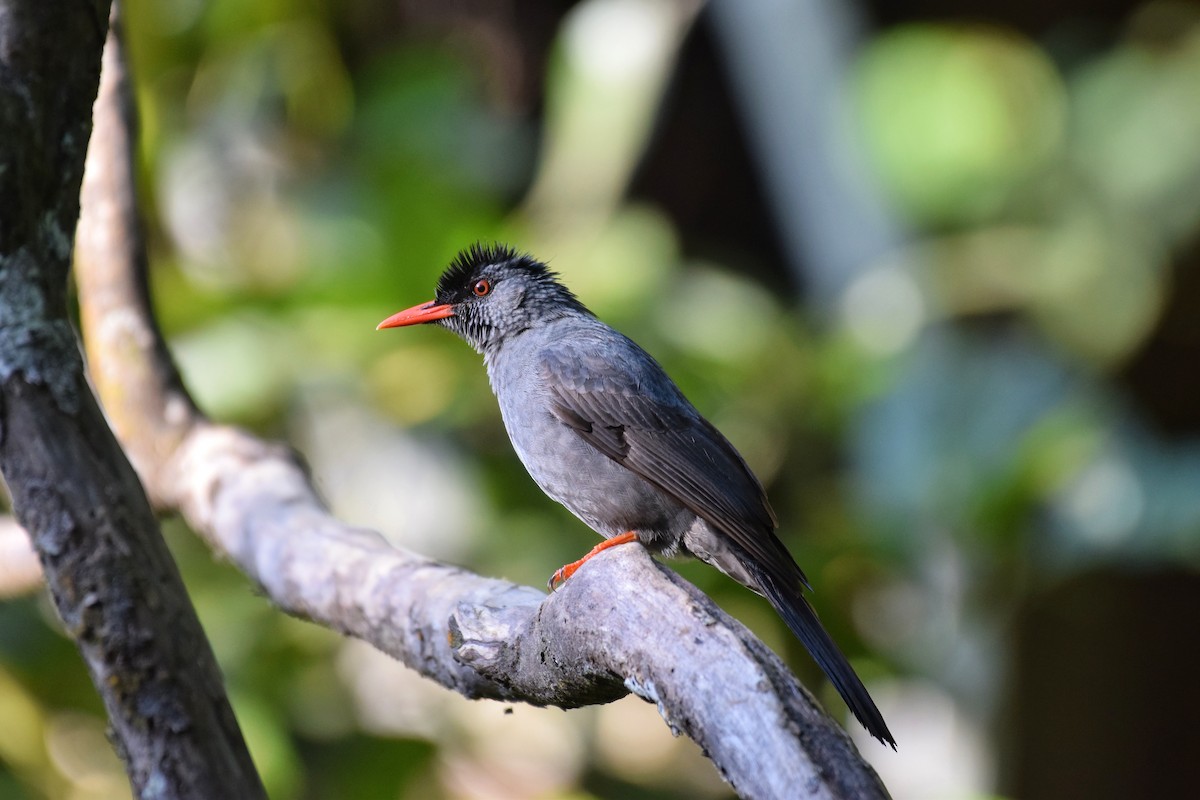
pixel 603 430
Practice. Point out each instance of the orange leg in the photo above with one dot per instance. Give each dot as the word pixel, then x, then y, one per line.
pixel 562 573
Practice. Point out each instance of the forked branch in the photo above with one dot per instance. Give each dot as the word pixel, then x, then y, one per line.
pixel 623 624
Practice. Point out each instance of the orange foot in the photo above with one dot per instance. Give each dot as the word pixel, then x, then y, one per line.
pixel 562 573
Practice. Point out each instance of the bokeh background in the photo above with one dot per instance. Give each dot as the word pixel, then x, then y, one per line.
pixel 934 267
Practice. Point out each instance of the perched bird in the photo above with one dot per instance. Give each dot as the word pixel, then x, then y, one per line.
pixel 603 430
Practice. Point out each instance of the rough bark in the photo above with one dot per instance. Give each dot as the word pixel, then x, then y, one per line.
pixel 622 624
pixel 112 579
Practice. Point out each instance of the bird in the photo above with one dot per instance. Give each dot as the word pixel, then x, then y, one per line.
pixel 603 430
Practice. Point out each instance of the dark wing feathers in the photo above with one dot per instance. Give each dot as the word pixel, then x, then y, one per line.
pixel 638 418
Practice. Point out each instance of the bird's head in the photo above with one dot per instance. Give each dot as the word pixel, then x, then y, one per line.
pixel 489 293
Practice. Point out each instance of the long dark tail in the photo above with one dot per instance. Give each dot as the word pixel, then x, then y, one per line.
pixel 802 619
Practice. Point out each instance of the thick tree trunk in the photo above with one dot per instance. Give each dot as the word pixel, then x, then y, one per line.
pixel 107 567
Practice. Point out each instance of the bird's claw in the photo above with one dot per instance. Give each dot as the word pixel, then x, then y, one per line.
pixel 559 577
pixel 562 574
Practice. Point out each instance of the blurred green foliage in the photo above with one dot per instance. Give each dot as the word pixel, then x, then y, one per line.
pixel 308 168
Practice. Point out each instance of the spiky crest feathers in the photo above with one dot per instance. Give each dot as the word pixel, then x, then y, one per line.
pixel 471 262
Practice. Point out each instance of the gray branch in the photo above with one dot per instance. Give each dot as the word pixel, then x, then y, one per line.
pixel 622 624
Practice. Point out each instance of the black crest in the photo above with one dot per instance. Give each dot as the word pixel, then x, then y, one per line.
pixel 470 260
pixel 467 266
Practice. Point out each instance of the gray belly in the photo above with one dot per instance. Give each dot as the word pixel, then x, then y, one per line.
pixel 608 497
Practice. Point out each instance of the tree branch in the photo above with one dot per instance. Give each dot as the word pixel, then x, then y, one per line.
pixel 110 574
pixel 623 624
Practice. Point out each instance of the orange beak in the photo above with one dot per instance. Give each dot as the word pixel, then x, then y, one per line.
pixel 417 315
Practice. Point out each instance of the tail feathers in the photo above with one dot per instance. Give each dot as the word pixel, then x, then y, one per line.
pixel 802 619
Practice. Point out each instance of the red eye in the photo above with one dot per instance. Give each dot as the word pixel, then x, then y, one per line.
pixel 481 287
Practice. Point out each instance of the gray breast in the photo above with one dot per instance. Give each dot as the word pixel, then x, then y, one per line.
pixel 609 498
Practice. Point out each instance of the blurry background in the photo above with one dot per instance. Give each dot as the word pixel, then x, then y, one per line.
pixel 932 266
